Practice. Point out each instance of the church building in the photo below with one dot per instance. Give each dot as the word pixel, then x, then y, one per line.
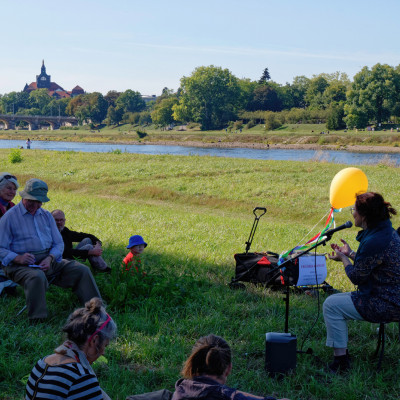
pixel 43 81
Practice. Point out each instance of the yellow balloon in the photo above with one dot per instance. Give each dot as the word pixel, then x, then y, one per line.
pixel 346 185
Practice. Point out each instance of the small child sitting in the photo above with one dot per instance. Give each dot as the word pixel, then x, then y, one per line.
pixel 136 246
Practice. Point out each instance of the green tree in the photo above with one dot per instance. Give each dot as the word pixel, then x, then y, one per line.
pixel 162 114
pixel 114 115
pixel 57 107
pixel 39 99
pixel 373 95
pixel 265 97
pixel 335 118
pixel 111 97
pixel 265 77
pixel 293 95
pixel 131 101
pixel 87 107
pixel 315 92
pixel 210 96
pixel 14 101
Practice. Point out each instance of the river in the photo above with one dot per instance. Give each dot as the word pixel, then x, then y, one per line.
pixel 332 156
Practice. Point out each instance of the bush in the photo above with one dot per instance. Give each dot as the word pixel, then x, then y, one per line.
pixel 238 125
pixel 141 133
pixel 15 156
pixel 250 124
pixel 271 121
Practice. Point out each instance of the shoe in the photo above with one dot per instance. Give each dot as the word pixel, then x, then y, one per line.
pixel 98 263
pixel 340 364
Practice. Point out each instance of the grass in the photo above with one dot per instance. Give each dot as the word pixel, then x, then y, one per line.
pixel 286 134
pixel 195 213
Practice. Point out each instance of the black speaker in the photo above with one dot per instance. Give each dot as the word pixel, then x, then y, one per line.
pixel 280 352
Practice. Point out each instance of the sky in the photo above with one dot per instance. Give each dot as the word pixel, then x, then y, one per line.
pixel 147 45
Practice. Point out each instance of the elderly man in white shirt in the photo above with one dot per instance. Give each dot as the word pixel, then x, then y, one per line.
pixel 31 250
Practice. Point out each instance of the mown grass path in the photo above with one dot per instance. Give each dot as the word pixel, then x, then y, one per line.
pixel 195 213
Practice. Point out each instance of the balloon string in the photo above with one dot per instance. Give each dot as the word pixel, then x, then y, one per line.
pixel 329 222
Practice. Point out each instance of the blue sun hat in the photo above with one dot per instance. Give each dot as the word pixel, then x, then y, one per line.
pixel 136 240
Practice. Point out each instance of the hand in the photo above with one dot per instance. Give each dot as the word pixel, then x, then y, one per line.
pixel 45 263
pixel 25 259
pixel 345 249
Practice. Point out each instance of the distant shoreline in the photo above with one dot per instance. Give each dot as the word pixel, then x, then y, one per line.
pixel 216 143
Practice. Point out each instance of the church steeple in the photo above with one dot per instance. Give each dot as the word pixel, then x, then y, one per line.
pixel 43 80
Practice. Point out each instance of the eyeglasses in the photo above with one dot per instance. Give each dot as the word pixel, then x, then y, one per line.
pixel 8 177
pixel 102 326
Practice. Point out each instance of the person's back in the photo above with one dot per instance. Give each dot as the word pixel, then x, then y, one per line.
pixel 205 373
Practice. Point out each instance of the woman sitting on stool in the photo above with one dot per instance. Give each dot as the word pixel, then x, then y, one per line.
pixel 205 373
pixel 376 271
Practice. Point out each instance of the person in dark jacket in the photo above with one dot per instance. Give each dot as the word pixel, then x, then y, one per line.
pixel 205 373
pixel 376 271
pixel 88 247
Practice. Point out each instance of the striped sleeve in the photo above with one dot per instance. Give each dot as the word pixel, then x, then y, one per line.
pixel 66 381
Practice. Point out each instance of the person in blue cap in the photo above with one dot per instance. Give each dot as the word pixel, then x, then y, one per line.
pixel 132 262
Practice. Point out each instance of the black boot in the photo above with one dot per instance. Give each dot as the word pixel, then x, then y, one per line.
pixel 340 364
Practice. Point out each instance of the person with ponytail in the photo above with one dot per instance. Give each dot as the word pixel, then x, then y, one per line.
pixel 374 268
pixel 205 373
pixel 68 373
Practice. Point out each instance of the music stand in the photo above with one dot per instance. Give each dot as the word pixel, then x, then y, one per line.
pixel 328 236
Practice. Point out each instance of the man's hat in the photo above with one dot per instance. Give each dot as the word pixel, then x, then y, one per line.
pixel 136 240
pixel 35 189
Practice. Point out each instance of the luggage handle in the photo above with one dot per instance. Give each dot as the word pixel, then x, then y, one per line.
pixel 254 227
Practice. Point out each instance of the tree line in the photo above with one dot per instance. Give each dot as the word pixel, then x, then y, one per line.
pixel 213 97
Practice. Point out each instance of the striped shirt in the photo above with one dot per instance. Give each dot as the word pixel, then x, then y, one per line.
pixel 22 232
pixel 64 381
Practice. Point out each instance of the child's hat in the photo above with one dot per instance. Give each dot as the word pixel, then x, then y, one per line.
pixel 136 240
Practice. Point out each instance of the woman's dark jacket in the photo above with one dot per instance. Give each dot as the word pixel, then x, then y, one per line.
pixel 376 271
pixel 202 387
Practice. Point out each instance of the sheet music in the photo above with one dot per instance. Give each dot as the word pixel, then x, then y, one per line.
pixel 307 270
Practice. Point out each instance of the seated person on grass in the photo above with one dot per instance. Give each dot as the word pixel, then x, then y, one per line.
pixel 132 262
pixel 88 248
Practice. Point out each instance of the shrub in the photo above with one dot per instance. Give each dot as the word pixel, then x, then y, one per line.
pixel 238 125
pixel 141 133
pixel 250 124
pixel 15 156
pixel 271 121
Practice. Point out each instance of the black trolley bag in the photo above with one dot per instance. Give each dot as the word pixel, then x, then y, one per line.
pixel 262 268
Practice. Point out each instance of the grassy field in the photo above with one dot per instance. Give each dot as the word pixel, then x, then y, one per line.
pixel 196 213
pixel 287 134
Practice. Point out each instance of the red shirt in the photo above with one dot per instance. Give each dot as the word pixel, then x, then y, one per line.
pixel 131 260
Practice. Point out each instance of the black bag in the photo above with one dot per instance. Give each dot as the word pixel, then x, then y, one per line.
pixel 262 268
pixel 163 394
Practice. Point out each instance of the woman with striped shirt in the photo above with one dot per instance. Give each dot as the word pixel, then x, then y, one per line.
pixel 67 374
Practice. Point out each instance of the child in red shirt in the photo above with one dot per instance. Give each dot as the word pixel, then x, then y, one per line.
pixel 132 260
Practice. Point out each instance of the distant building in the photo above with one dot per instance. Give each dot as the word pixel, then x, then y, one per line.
pixel 43 81
pixel 148 98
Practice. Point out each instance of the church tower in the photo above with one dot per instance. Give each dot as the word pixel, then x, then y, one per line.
pixel 43 80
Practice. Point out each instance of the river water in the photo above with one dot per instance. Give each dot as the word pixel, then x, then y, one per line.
pixel 333 156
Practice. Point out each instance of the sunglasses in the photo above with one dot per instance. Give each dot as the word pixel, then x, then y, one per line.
pixel 8 177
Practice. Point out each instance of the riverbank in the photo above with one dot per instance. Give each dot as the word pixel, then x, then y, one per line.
pixel 378 142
